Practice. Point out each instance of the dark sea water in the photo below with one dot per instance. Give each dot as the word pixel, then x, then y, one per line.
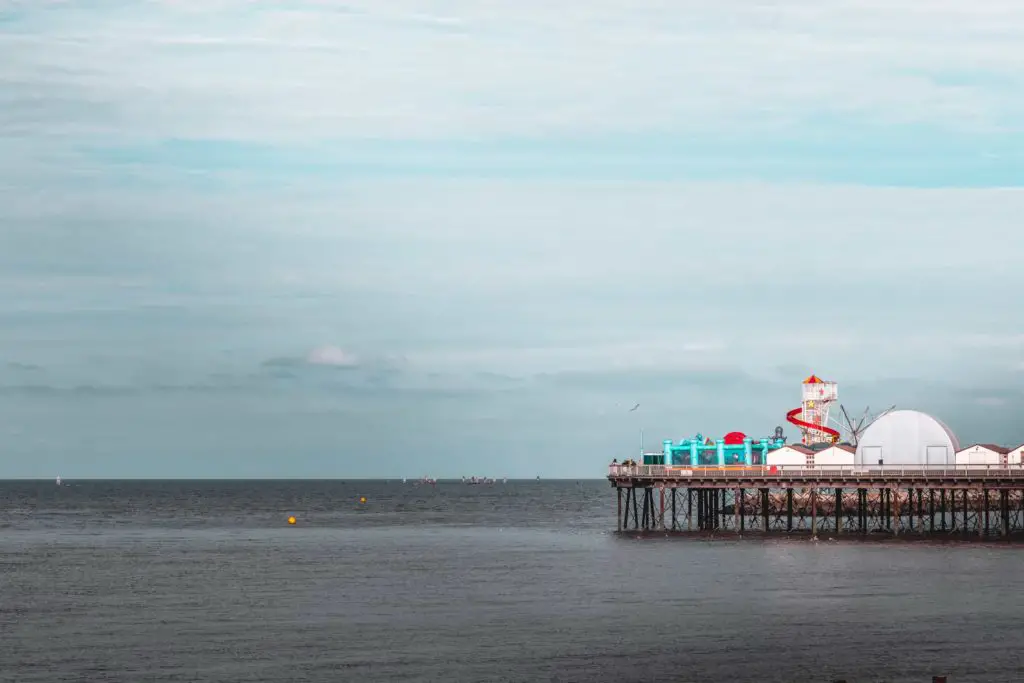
pixel 524 581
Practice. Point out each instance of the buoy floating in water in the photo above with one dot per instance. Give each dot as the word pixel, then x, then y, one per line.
pixel 362 499
pixel 291 520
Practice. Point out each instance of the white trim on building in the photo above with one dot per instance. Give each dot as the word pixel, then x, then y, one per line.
pixel 788 456
pixel 982 454
pixel 837 455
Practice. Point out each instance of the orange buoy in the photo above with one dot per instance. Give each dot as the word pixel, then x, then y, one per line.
pixel 362 499
pixel 291 520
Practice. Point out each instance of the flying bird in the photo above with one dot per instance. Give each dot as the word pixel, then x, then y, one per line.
pixel 634 407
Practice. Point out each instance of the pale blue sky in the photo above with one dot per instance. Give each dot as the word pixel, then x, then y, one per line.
pixel 395 239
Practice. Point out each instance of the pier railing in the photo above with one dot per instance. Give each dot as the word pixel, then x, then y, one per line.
pixel 994 472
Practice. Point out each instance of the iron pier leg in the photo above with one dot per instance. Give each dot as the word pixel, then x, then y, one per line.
pixel 982 511
pixel 910 509
pixel 931 510
pixel 789 509
pixel 984 502
pixel 920 509
pixel 643 506
pixel 814 512
pixel 1004 510
pixel 887 509
pixel 737 504
pixel 709 510
pixel 713 495
pixel 965 511
pixel 883 509
pixel 652 516
pixel 646 506
pixel 909 506
pixel 675 523
pixel 720 519
pixel 764 508
pixel 860 510
pixel 661 496
pixel 942 506
pixel 895 510
pixel 636 517
pixel 719 509
pixel 839 511
pixel 702 512
pixel 625 519
pixel 618 491
pixel 689 509
pixel 964 520
pixel 700 509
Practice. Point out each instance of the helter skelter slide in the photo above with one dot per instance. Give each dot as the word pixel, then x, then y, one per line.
pixel 812 415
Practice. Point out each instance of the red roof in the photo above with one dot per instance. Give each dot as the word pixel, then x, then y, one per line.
pixel 734 438
pixel 814 379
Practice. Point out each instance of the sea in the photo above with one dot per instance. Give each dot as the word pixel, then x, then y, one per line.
pixel 140 581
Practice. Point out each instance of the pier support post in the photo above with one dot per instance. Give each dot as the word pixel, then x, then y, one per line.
pixel 1004 510
pixel 839 511
pixel 689 509
pixel 700 509
pixel 860 511
pixel 661 495
pixel 789 509
pixel 643 521
pixel 887 510
pixel 909 507
pixel 942 508
pixel 895 498
pixel 984 501
pixel 737 503
pixel 814 512
pixel 619 515
pixel 965 511
pixel 720 524
pixel 625 517
pixel 636 513
pixel 675 522
pixel 764 508
pixel 983 509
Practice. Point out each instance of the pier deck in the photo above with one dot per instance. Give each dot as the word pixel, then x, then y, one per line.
pixel 978 501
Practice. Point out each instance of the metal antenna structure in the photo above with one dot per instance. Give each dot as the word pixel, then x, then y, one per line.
pixel 852 430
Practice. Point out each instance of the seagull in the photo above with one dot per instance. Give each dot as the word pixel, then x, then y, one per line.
pixel 634 407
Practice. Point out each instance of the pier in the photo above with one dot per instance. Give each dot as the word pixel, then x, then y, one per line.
pixel 981 502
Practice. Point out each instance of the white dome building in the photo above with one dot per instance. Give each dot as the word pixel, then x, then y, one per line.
pixel 907 437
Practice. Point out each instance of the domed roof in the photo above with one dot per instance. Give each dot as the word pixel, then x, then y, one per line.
pixel 907 437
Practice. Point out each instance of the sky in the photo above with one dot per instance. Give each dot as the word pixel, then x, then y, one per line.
pixel 366 239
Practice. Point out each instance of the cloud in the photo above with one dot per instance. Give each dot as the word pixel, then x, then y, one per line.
pixel 333 356
pixel 403 69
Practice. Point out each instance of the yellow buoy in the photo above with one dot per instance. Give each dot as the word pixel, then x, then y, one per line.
pixel 291 520
pixel 362 499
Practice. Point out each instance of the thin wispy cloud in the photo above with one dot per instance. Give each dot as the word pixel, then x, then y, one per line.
pixel 299 70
